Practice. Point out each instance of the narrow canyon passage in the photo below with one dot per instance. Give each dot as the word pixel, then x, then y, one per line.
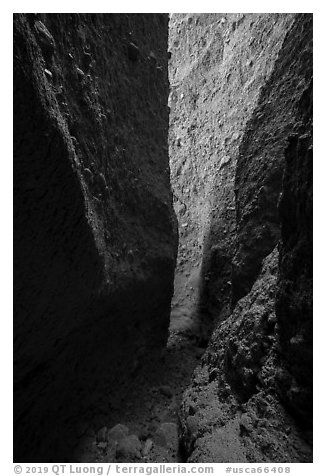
pixel 163 237
pixel 150 408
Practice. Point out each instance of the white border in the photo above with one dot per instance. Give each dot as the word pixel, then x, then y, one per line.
pixel 6 90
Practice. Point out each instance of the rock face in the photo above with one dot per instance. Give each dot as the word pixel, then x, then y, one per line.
pixel 219 66
pixel 241 121
pixel 94 229
pixel 232 411
pixel 261 162
pixel 294 296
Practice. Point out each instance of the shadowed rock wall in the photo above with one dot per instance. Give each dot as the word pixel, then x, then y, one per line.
pixel 294 303
pixel 94 229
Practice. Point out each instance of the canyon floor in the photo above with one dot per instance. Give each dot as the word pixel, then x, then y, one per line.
pixel 145 424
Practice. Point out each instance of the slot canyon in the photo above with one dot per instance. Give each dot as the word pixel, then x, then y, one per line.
pixel 163 237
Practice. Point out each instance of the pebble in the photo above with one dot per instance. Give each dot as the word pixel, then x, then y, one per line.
pixel 102 445
pixel 44 35
pixel 80 72
pixel 117 433
pixel 133 52
pixel 147 447
pixel 152 56
pixel 225 160
pixel 129 448
pixel 246 422
pixel 167 436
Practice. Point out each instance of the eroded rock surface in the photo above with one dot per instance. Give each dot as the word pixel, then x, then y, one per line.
pixel 261 159
pixel 95 233
pixel 219 66
pixel 240 122
pixel 232 412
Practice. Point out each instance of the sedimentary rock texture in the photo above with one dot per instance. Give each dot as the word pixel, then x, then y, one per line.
pixel 232 412
pixel 94 229
pixel 261 161
pixel 251 398
pixel 218 67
